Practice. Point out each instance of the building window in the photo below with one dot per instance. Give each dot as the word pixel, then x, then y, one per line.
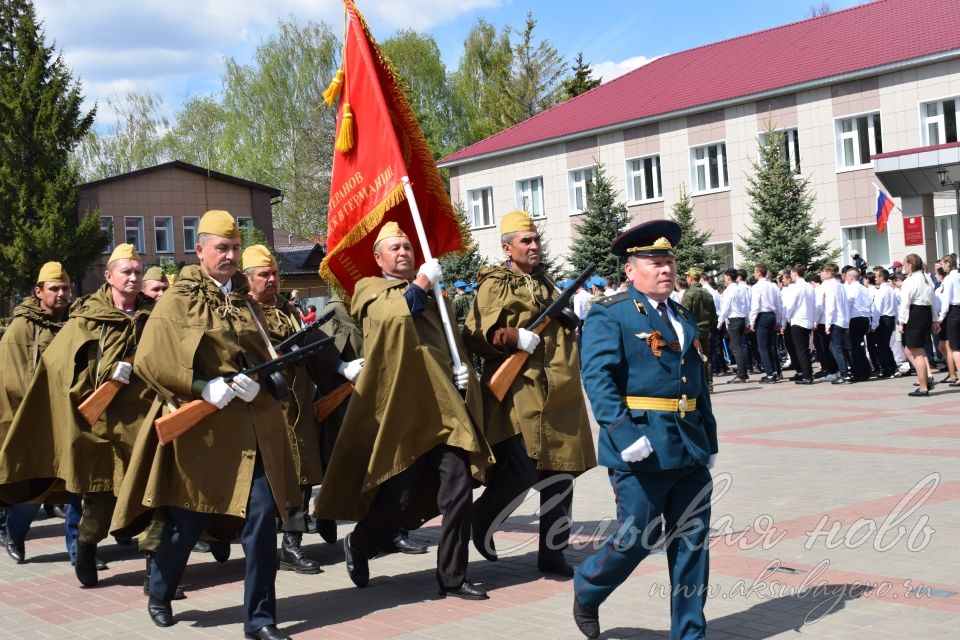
pixel 708 168
pixel 106 227
pixel 938 122
pixel 530 197
pixel 245 224
pixel 578 180
pixel 480 206
pixel 190 234
pixel 163 234
pixel 872 245
pixel 858 138
pixel 791 147
pixel 134 232
pixel 725 249
pixel 643 179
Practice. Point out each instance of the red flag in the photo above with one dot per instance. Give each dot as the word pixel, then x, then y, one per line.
pixel 378 142
pixel 884 207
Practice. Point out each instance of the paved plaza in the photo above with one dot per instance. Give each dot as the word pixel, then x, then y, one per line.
pixel 835 514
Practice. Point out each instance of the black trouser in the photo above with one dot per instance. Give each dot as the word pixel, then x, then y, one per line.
pixel 821 342
pixel 885 328
pixel 800 337
pixel 766 330
pixel 838 336
pixel 507 484
pixel 873 349
pixel 791 348
pixel 451 468
pixel 716 350
pixel 739 348
pixel 858 348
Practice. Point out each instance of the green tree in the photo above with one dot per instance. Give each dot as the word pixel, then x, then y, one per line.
pixel 135 140
pixel 199 135
pixel 41 122
pixel 476 85
pixel 281 131
pixel 693 250
pixel 536 81
pixel 602 221
pixel 547 261
pixel 465 264
pixel 784 231
pixel 416 59
pixel 582 79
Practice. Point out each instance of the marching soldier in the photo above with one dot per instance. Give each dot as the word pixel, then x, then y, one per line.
pixel 234 469
pixel 701 306
pixel 658 436
pixel 408 439
pixel 99 338
pixel 540 431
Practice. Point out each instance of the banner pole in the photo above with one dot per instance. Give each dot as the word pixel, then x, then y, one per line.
pixel 438 294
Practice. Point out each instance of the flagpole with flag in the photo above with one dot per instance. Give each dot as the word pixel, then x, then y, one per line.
pixel 382 168
pixel 884 206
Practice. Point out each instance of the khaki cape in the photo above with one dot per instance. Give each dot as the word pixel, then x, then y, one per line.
pixel 546 402
pixel 197 332
pixel 48 438
pixel 404 405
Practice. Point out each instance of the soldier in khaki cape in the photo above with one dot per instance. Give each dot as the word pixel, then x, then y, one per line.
pixel 281 321
pixel 408 439
pixel 233 470
pixel 540 431
pixel 104 328
pixel 35 322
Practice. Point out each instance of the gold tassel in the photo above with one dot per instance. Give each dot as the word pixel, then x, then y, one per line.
pixel 333 91
pixel 345 138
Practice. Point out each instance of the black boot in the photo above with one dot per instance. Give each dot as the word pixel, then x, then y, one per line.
pixel 177 595
pixel 16 548
pixel 292 557
pixel 86 566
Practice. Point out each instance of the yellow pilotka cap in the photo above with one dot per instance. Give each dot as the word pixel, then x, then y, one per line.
pixel 516 221
pixel 390 230
pixel 218 223
pixel 53 272
pixel 256 256
pixel 154 273
pixel 124 252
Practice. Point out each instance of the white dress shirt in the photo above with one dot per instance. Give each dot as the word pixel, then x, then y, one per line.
pixel 859 299
pixel 836 309
pixel 581 303
pixel 818 303
pixel 951 293
pixel 733 304
pixel 799 304
pixel 916 290
pixel 884 304
pixel 713 294
pixel 765 296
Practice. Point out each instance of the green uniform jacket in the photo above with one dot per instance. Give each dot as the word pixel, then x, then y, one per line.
pixel 198 333
pixel 546 402
pixel 282 322
pixel 699 302
pixel 48 438
pixel 26 338
pixel 404 405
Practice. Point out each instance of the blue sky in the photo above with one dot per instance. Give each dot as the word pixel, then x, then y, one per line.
pixel 175 48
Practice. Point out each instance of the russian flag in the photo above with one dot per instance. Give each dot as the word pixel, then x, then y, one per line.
pixel 884 207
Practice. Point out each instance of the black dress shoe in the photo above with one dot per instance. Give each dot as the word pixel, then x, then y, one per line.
pixel 768 380
pixel 556 564
pixel 917 392
pixel 16 549
pixel 269 632
pixel 292 557
pixel 327 530
pixel 403 544
pixel 160 613
pixel 220 550
pixel 357 567
pixel 588 620
pixel 482 542
pixel 86 565
pixel 467 591
pixel 201 546
pixel 804 381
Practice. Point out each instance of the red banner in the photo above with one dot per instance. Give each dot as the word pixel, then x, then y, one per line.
pixel 912 230
pixel 366 189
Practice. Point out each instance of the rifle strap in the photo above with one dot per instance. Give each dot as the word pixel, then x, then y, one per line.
pixel 258 320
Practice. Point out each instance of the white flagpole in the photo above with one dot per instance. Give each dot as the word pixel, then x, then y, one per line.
pixel 427 255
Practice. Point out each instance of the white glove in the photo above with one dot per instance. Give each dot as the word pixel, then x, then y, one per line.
pixel 432 271
pixel 350 370
pixel 246 387
pixel 712 462
pixel 637 451
pixel 461 377
pixel 218 392
pixel 527 340
pixel 121 372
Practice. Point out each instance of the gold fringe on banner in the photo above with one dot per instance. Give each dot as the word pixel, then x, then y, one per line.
pixel 333 91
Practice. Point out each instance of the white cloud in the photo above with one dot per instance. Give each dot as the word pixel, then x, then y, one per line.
pixel 608 70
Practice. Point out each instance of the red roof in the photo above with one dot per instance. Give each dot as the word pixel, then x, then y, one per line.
pixel 853 40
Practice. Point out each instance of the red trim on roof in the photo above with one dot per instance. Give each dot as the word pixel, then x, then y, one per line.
pixel 905 152
pixel 843 42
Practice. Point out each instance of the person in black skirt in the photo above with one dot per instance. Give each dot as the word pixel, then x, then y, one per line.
pixel 916 320
pixel 950 311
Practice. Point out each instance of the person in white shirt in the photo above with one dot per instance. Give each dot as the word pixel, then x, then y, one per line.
pixel 859 304
pixel 733 313
pixel 836 319
pixel 916 320
pixel 950 310
pixel 800 309
pixel 765 317
pixel 883 322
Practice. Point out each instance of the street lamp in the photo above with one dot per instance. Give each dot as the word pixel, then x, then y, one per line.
pixel 944 178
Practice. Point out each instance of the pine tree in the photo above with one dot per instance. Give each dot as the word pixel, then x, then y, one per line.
pixel 693 250
pixel 582 79
pixel 603 220
pixel 462 265
pixel 547 261
pixel 41 122
pixel 784 232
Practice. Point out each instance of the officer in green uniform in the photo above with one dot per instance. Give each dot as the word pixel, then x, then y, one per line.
pixel 699 303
